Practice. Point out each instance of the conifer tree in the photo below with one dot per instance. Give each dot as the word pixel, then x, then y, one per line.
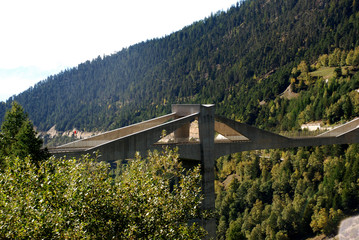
pixel 18 137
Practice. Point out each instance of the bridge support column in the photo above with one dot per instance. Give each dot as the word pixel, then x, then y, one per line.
pixel 206 136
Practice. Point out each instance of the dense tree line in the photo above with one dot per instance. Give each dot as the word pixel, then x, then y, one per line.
pixel 301 192
pixel 234 59
pixel 291 194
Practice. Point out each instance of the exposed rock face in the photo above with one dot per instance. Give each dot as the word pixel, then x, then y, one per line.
pixel 288 93
pixel 349 229
pixel 52 132
pixel 79 134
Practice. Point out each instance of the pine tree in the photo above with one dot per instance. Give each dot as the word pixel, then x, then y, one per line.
pixel 18 137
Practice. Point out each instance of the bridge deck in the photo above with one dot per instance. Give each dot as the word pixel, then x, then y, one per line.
pixel 235 137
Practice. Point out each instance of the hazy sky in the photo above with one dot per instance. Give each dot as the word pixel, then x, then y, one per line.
pixel 43 37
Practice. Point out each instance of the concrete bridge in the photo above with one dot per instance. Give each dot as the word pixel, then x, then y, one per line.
pixel 203 148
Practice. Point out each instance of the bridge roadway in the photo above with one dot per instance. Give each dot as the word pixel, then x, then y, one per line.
pixel 124 142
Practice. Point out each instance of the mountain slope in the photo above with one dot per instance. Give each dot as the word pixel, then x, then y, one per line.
pixel 241 60
pixel 223 59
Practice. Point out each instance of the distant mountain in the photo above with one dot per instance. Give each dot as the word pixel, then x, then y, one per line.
pixel 235 59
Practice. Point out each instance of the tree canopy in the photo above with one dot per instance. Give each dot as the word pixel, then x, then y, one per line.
pixel 151 198
pixel 292 194
pixel 18 137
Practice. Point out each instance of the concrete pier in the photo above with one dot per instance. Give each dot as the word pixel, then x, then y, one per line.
pixel 206 136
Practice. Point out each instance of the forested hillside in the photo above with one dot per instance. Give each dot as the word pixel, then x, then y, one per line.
pixel 293 194
pixel 234 59
pixel 276 64
pixel 301 192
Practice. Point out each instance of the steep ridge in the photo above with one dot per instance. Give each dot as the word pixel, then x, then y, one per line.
pixel 222 59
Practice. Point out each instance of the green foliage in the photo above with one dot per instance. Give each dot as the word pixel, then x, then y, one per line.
pixel 326 222
pixel 327 94
pixel 18 137
pixel 153 198
pixel 234 59
pixel 296 194
pixel 160 198
pixel 60 199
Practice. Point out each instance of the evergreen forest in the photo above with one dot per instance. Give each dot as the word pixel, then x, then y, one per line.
pixel 274 64
pixel 234 59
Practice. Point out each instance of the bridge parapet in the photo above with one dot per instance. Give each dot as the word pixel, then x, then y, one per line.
pixel 342 129
pixel 117 133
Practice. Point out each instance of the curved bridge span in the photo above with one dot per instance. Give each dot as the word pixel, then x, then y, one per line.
pixel 201 147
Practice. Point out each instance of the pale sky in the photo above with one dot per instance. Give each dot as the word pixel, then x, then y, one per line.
pixel 42 37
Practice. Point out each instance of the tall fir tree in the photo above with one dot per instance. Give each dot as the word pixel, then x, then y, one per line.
pixel 18 137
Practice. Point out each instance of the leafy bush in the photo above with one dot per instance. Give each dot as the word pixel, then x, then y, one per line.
pixel 153 198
